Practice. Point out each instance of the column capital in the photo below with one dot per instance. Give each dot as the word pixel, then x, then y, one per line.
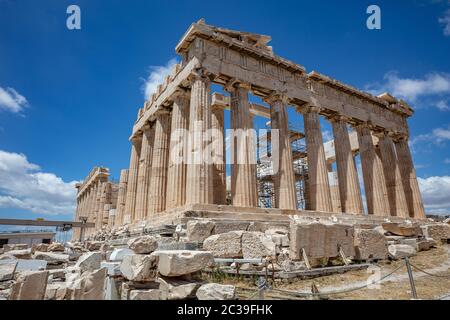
pixel 233 84
pixel 199 74
pixel 277 96
pixel 309 109
pixel 146 127
pixel 338 118
pixel 137 138
pixel 180 93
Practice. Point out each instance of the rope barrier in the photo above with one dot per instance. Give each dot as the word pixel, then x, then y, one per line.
pixel 430 274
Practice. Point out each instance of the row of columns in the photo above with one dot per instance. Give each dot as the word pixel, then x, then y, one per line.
pixel 158 181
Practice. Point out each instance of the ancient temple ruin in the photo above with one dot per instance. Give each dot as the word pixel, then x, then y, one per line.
pixel 184 120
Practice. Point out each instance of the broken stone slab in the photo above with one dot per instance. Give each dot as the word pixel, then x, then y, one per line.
pixel 51 257
pixel 257 245
pixel 113 267
pixel 6 256
pixel 279 237
pixel 199 230
pixel 20 254
pixel 59 274
pixel 93 245
pixel 320 239
pixel 120 253
pixel 143 245
pixel 400 251
pixel 31 265
pixel 14 246
pixel 127 287
pixel 89 261
pixel 437 231
pixel 225 245
pixel 175 263
pixel 150 294
pixel 55 247
pixel 214 291
pixel 7 271
pixel 289 265
pixel 56 291
pixel 403 229
pixel 370 244
pixel 227 226
pixel 176 288
pixel 30 285
pixel 42 247
pixel 177 245
pixel 426 244
pixel 92 286
pixel 139 267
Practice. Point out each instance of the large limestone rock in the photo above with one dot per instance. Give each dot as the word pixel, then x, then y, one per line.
pixel 257 245
pixel 113 268
pixel 437 231
pixel 51 257
pixel 30 285
pixel 7 271
pixel 55 247
pixel 42 247
pixel 225 245
pixel 91 286
pixel 176 288
pixel 94 245
pixel 400 251
pixel 199 230
pixel 56 291
pixel 20 254
pixel 370 244
pixel 402 229
pixel 320 239
pixel 120 253
pixel 143 245
pixel 214 291
pixel 279 237
pixel 89 261
pixel 139 267
pixel 149 294
pixel 426 244
pixel 181 262
pixel 14 246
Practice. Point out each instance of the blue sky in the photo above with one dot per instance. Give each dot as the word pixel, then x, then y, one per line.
pixel 69 98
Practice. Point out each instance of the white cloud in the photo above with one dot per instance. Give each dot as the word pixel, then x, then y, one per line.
pixel 445 21
pixel 11 100
pixel 435 193
pixel 443 105
pixel 437 136
pixel 25 186
pixel 157 76
pixel 447 160
pixel 411 89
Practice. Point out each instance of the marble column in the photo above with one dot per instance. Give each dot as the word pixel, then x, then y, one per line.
pixel 199 182
pixel 318 183
pixel 98 210
pixel 219 156
pixel 92 203
pixel 104 201
pixel 144 172
pixel 160 162
pixel 243 151
pixel 349 190
pixel 130 203
pixel 396 195
pixel 176 174
pixel 282 163
pixel 409 179
pixel 373 176
pixel 121 197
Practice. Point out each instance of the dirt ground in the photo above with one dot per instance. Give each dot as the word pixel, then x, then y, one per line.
pixel 397 286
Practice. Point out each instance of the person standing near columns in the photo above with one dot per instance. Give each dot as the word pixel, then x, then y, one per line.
pixel 349 190
pixel 409 178
pixel 318 183
pixel 243 152
pixel 160 162
pixel 199 182
pixel 373 176
pixel 394 186
pixel 144 172
pixel 130 203
pixel 176 176
pixel 283 169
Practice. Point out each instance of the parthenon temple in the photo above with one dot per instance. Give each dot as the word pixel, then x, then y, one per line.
pixel 178 166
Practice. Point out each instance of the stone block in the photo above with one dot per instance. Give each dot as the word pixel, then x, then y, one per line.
pixel 112 267
pixel 426 244
pixel 225 245
pixel 370 244
pixel 7 271
pixel 14 246
pixel 139 267
pixel 400 251
pixel 89 261
pixel 182 262
pixel 56 291
pixel 55 247
pixel 176 288
pixel 320 240
pixel 214 291
pixel 199 230
pixel 120 253
pixel 20 253
pixel 257 245
pixel 150 294
pixel 51 257
pixel 227 226
pixel 402 229
pixel 30 285
pixel 42 247
pixel 437 231
pixel 143 245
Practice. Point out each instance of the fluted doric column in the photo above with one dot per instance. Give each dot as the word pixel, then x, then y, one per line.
pixel 409 179
pixel 318 183
pixel 104 201
pixel 144 172
pixel 176 175
pixel 373 176
pixel 199 182
pixel 160 162
pixel 282 164
pixel 396 195
pixel 130 203
pixel 219 160
pixel 92 203
pixel 243 152
pixel 98 210
pixel 349 190
pixel 121 197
